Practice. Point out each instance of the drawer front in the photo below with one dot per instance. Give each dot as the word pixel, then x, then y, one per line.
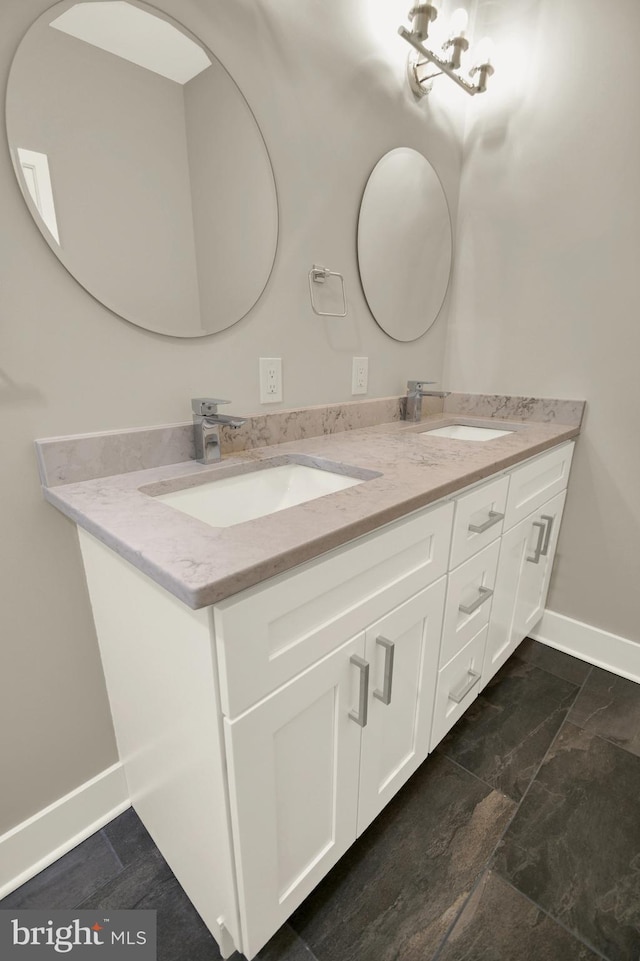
pixel 478 519
pixel 469 598
pixel 536 482
pixel 458 685
pixel 268 634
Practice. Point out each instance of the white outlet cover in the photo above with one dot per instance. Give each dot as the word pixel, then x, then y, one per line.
pixel 360 375
pixel 270 380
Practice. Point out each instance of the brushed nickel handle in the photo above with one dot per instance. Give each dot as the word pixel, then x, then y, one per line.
pixel 535 557
pixel 484 594
pixel 360 716
pixel 389 651
pixel 547 537
pixel 460 695
pixel 494 518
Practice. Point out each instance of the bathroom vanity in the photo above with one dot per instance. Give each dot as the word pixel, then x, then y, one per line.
pixel 266 715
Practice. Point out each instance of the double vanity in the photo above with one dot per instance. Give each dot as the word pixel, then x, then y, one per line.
pixel 288 634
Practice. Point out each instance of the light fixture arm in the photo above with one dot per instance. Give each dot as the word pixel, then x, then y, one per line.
pixel 444 66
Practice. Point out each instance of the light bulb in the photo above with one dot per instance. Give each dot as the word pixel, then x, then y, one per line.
pixel 484 52
pixel 459 22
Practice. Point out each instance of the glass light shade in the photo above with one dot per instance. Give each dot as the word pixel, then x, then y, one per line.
pixel 483 53
pixel 459 23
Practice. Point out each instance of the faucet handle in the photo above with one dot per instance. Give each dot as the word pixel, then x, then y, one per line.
pixel 419 384
pixel 205 406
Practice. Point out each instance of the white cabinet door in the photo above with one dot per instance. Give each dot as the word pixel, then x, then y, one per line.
pixel 402 651
pixel 293 783
pixel 522 582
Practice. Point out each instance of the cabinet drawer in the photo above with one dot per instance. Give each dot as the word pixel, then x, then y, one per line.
pixel 458 685
pixel 469 598
pixel 270 633
pixel 478 519
pixel 536 482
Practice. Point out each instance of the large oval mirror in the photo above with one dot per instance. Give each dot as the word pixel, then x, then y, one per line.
pixel 404 244
pixel 142 165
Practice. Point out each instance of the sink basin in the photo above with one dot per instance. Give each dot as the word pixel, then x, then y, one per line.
pixel 243 497
pixel 465 432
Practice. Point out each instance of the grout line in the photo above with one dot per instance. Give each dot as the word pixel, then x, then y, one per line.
pixel 302 941
pixel 477 777
pixel 555 920
pixel 538 769
pixel 487 866
pixel 107 840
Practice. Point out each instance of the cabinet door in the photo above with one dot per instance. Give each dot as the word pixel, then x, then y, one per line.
pixel 293 784
pixel 522 582
pixel 402 650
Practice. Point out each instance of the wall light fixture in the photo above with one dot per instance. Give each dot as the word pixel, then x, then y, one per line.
pixel 419 71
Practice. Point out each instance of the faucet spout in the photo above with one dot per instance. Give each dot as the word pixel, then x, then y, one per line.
pixel 416 390
pixel 206 428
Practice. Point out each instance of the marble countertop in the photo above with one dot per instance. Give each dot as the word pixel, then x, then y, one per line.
pixel 201 564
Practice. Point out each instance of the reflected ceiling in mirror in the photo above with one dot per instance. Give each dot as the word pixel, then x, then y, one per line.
pixel 404 244
pixel 143 166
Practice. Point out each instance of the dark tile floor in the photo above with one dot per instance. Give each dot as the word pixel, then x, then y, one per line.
pixel 517 840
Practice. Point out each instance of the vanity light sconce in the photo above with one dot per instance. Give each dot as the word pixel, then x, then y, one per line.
pixel 421 76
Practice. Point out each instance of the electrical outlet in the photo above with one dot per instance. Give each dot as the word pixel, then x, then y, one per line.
pixel 360 375
pixel 270 380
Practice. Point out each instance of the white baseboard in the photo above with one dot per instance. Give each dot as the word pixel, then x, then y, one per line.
pixel 39 841
pixel 609 651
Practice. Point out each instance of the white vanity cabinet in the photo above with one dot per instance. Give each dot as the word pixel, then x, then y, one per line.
pixel 537 494
pixel 312 764
pixel 261 736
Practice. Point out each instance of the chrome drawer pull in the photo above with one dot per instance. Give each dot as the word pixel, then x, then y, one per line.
pixel 484 594
pixel 360 716
pixel 460 695
pixel 535 557
pixel 549 520
pixel 494 518
pixel 389 650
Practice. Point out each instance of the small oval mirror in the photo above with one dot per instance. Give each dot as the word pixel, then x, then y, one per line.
pixel 404 244
pixel 142 165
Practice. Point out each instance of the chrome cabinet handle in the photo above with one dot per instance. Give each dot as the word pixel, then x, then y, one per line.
pixel 494 518
pixel 484 594
pixel 547 537
pixel 535 557
pixel 384 695
pixel 460 695
pixel 360 716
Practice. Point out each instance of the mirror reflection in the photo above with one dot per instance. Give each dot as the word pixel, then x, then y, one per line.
pixel 404 244
pixel 143 166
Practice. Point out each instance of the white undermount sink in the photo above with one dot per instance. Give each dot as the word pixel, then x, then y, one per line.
pixel 466 432
pixel 243 497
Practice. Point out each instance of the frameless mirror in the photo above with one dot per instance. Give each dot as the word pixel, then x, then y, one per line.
pixel 142 165
pixel 404 244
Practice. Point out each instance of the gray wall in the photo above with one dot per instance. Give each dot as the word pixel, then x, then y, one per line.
pixel 326 82
pixel 546 296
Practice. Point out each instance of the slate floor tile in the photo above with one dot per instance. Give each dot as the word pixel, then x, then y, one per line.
pixel 610 706
pixel 524 932
pixel 555 662
pixel 574 845
pixel 135 883
pixel 396 891
pixel 506 732
pixel 71 879
pixel 129 837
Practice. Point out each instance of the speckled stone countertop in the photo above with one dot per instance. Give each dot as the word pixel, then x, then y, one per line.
pixel 200 564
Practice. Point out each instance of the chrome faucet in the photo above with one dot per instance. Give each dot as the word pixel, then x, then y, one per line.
pixel 206 427
pixel 416 390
